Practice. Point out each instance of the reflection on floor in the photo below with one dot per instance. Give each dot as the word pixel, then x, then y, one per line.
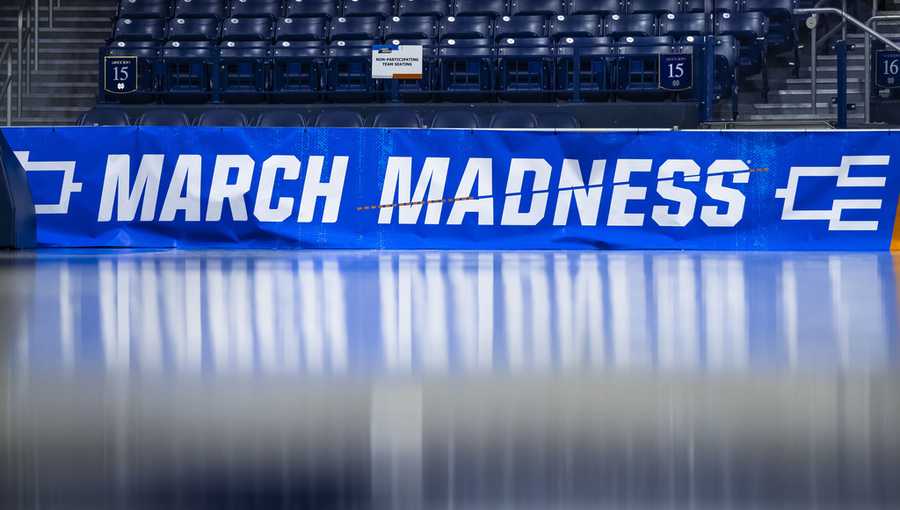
pixel 451 380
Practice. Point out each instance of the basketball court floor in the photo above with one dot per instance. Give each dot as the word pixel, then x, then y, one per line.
pixel 285 379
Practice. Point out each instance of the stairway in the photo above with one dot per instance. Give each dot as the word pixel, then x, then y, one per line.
pixel 65 84
pixel 790 99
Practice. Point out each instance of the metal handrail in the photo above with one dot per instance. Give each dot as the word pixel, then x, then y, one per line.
pixel 872 22
pixel 842 26
pixel 813 70
pixel 6 87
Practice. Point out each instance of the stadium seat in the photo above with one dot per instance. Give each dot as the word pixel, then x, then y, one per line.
pixel 557 121
pixel 220 117
pixel 657 7
pixel 419 31
pixel 458 119
pixel 280 118
pixel 726 69
pixel 200 9
pixel 349 70
pixel 520 26
pixel 129 30
pixel 383 9
pixel 683 24
pixel 97 117
pixel 576 25
pixel 411 27
pixel 539 7
pixel 164 118
pixel 193 29
pixel 492 8
pixel 397 119
pixel 299 57
pixel 525 65
pixel 718 5
pixel 465 56
pixel 782 31
pixel 634 25
pixel 311 8
pixel 255 9
pixel 244 53
pixel 639 62
pixel 134 9
pixel 467 27
pixel 593 58
pixel 356 28
pixel 436 8
pixel 339 119
pixel 750 29
pixel 602 7
pixel 513 119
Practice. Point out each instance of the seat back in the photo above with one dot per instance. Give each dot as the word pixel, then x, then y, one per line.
pixel 339 119
pixel 355 28
pixel 104 117
pixel 773 8
pixel 128 29
pixel 576 25
pixel 718 5
pixel 221 117
pixel 411 27
pixel 459 119
pixel 311 8
pixel 280 118
pixel 383 9
pixel 635 25
pixel 743 25
pixel 200 9
pixel 397 119
pixel 164 118
pixel 248 29
pixel 602 7
pixel 436 8
pixel 530 25
pixel 683 24
pixel 513 119
pixel 492 8
pixel 542 7
pixel 193 29
pixel 301 29
pixel 652 6
pixel 134 9
pixel 466 27
pixel 255 9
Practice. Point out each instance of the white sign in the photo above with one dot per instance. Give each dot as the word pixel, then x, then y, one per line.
pixel 398 62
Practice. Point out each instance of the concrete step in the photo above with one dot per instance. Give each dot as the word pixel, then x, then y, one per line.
pixel 801 117
pixel 794 107
pixel 833 68
pixel 833 58
pixel 824 81
pixel 806 92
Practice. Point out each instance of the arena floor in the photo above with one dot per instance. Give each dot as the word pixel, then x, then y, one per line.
pixel 273 379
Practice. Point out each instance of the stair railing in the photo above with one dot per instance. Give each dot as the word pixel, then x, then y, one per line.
pixel 811 23
pixel 6 55
pixel 873 23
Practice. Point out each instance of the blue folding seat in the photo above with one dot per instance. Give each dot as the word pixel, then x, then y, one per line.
pixel 557 120
pixel 492 8
pixel 173 118
pixel 584 67
pixel 189 57
pixel 782 29
pixel 576 25
pixel 683 24
pixel 130 30
pixel 513 119
pixel 718 5
pixel 381 8
pixel 280 118
pixel 339 119
pixel 104 117
pixel 311 8
pixel 455 119
pixel 541 7
pixel 244 53
pixel 221 117
pixel 193 29
pixel 656 7
pixel 134 9
pixel 750 29
pixel 635 25
pixel 349 75
pixel 356 28
pixel 466 57
pixel 638 63
pixel 255 9
pixel 200 9
pixel 298 59
pixel 397 119
pixel 416 31
pixel 436 8
pixel 520 26
pixel 602 7
pixel 525 67
pixel 726 69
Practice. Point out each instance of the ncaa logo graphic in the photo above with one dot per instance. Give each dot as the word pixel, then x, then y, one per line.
pixel 838 206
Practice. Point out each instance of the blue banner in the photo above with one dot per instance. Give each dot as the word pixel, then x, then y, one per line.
pixel 460 189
